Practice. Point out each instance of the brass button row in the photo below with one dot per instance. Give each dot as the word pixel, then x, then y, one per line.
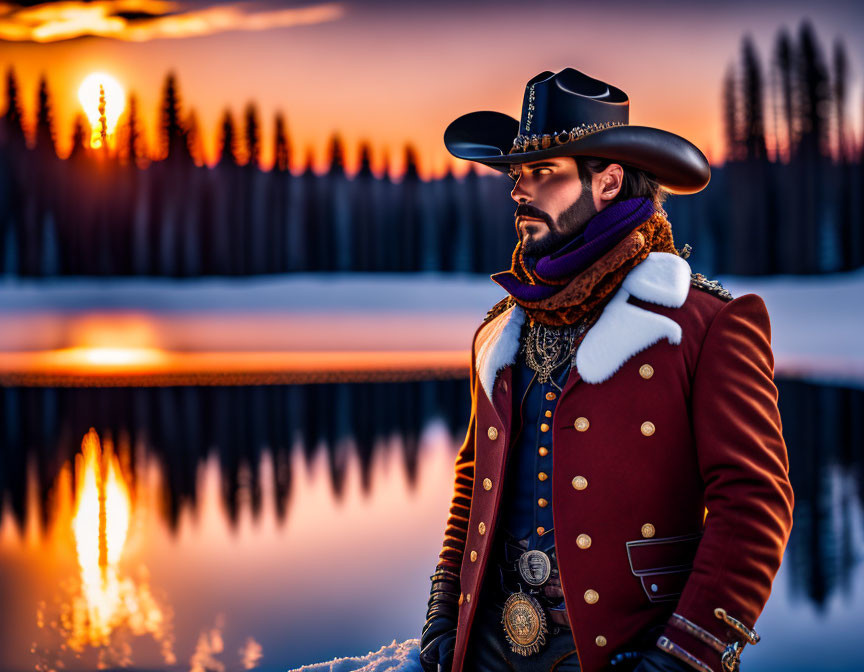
pixel 543 451
pixel 541 530
pixel 544 427
pixel 542 503
pixel 550 396
pixel 542 476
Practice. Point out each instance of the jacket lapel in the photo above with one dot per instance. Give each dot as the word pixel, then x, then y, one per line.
pixel 621 331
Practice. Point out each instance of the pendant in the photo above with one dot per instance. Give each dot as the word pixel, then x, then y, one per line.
pixel 535 567
pixel 524 624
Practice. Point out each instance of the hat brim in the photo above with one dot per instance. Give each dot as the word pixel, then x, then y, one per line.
pixel 676 163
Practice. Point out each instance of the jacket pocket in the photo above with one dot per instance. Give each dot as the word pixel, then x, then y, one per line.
pixel 663 565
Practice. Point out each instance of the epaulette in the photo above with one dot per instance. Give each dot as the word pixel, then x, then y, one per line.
pixel 711 286
pixel 499 308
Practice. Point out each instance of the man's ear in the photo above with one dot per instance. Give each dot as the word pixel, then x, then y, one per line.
pixel 610 180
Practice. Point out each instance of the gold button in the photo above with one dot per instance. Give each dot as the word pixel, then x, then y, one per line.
pixel 583 541
pixel 646 371
pixel 543 451
pixel 600 640
pixel 542 503
pixel 493 433
pixel 581 424
pixel 473 556
pixel 548 414
pixel 541 530
pixel 482 527
pixel 461 598
pixel 591 596
pixel 542 476
pixel 647 530
pixel 468 597
pixel 579 482
pixel 647 428
pixel 487 483
pixel 544 427
pixel 550 396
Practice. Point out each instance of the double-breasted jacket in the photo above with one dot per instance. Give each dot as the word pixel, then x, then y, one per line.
pixel 668 455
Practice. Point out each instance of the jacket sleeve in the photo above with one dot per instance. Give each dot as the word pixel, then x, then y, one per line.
pixel 745 470
pixel 460 506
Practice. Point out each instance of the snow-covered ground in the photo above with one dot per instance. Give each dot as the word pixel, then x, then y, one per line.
pixel 816 320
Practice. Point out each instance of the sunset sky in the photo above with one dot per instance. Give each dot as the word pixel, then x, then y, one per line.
pixel 399 72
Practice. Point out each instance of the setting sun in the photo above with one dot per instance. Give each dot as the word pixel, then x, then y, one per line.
pixel 115 103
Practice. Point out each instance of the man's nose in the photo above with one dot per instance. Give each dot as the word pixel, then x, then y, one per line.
pixel 518 193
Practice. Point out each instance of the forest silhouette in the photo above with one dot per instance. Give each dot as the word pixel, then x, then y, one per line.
pixel 788 201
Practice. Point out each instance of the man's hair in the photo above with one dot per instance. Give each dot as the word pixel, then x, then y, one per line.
pixel 636 183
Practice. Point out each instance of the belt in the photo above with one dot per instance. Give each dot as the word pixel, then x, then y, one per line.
pixel 548 593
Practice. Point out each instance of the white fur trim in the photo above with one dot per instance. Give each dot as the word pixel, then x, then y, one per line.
pixel 621 331
pixel 499 347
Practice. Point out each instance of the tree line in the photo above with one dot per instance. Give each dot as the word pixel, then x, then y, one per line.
pixel 788 199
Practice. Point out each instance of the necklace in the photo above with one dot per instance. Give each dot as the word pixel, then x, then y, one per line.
pixel 546 348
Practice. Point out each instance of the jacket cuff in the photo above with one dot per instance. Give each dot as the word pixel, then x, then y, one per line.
pixel 692 644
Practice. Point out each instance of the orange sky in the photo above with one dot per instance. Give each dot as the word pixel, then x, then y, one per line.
pixel 397 73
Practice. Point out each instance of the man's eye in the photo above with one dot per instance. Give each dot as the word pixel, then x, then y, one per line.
pixel 539 171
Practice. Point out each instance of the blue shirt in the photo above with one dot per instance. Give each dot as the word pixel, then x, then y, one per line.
pixel 527 503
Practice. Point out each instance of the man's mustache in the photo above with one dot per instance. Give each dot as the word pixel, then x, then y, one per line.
pixel 528 210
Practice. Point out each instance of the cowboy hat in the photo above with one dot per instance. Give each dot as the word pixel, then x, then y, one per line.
pixel 568 113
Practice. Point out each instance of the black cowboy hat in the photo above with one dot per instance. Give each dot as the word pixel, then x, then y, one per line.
pixel 568 113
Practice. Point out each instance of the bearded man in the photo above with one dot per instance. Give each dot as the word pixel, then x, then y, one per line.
pixel 622 499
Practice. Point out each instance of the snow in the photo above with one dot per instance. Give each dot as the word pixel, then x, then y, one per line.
pixel 815 320
pixel 390 658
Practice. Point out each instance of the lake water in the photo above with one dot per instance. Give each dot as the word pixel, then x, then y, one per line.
pixel 270 526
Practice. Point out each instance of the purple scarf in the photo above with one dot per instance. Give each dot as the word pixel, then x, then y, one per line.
pixel 603 231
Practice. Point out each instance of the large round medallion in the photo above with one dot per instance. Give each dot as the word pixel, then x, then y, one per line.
pixel 524 624
pixel 535 567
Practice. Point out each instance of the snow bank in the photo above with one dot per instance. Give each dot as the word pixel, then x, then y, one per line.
pixel 390 658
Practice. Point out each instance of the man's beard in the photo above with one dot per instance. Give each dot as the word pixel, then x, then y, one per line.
pixel 569 224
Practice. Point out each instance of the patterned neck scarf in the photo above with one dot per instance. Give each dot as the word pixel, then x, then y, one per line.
pixel 554 294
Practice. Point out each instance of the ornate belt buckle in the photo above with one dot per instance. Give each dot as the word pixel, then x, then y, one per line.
pixel 524 624
pixel 535 567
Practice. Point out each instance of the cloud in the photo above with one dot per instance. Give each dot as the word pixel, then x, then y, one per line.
pixel 143 20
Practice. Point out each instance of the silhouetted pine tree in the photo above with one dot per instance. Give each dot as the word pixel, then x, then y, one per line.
pixel 784 63
pixel 133 151
pixel 45 142
pixel 753 119
pixel 194 143
pixel 80 139
pixel 228 140
pixel 841 74
pixel 173 135
pixel 814 94
pixel 281 146
pixel 730 116
pixel 13 135
pixel 252 137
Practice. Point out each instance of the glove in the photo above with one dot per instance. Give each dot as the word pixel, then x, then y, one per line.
pixel 656 660
pixel 438 639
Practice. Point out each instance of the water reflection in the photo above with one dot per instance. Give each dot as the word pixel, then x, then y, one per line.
pixel 179 426
pixel 269 518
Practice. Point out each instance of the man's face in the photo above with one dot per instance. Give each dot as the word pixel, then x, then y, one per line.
pixel 554 205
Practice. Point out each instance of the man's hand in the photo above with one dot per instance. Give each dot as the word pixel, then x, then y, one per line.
pixel 438 639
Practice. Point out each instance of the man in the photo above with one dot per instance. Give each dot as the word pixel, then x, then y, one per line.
pixel 622 499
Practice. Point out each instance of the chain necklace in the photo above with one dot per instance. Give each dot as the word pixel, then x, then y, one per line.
pixel 546 348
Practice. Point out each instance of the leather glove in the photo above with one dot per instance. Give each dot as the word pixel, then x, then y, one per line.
pixel 656 660
pixel 438 639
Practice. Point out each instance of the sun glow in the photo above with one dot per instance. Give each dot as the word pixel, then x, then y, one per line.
pixel 89 96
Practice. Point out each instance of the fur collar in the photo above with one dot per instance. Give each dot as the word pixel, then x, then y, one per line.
pixel 621 331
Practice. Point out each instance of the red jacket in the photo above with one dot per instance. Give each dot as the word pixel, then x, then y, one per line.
pixel 668 453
